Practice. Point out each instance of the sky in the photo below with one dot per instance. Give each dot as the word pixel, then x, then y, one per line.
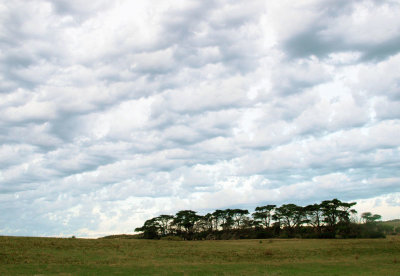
pixel 113 112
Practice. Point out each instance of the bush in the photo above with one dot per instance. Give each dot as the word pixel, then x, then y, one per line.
pixel 172 238
pixel 327 235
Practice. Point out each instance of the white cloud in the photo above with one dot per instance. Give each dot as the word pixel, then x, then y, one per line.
pixel 370 22
pixel 113 112
pixel 387 205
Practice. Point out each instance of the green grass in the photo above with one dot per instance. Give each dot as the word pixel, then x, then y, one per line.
pixel 51 256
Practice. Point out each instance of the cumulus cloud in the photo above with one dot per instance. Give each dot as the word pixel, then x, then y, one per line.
pixel 368 27
pixel 114 112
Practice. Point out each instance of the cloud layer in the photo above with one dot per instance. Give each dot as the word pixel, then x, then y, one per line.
pixel 112 113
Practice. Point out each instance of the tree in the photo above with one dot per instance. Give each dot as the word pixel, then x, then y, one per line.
pixel 187 220
pixel 227 219
pixel 371 229
pixel 330 218
pixel 314 214
pixel 368 217
pixel 203 224
pixel 263 214
pixel 224 218
pixel 151 229
pixel 290 215
pixel 239 216
pixel 165 223
pixel 335 211
pixel 218 218
pixel 208 220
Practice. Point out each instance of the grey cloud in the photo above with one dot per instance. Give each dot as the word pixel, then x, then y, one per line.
pixel 308 43
pixel 381 81
pixel 107 121
pixel 207 96
pixel 12 154
pixel 29 42
pixel 383 50
pixel 73 161
pixel 320 38
pixel 295 77
pixel 341 153
pixel 210 25
pixel 78 9
pixel 33 134
pixel 387 109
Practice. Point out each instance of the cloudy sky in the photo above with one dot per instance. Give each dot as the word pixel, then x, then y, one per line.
pixel 113 112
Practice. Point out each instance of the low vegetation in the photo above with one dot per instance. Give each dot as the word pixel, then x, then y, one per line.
pixel 390 227
pixel 328 219
pixel 56 256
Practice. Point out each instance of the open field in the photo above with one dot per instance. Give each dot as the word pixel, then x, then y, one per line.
pixel 52 256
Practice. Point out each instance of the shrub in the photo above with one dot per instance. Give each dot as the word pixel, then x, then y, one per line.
pixel 172 238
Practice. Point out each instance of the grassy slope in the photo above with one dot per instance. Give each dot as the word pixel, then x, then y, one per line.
pixel 394 223
pixel 50 256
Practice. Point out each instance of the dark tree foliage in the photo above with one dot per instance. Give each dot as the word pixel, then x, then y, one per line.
pixel 263 215
pixel 185 221
pixel 290 216
pixel 150 229
pixel 335 211
pixel 328 219
pixel 314 215
pixel 165 223
pixel 368 217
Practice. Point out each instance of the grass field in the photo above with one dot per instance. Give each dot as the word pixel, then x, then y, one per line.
pixel 52 256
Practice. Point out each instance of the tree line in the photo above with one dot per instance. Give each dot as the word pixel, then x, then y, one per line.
pixel 328 219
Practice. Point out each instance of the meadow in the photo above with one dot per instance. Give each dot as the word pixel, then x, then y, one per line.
pixel 70 256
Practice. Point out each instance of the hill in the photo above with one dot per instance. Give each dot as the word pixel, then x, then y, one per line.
pixel 390 226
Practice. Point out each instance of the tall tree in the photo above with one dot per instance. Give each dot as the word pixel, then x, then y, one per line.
pixel 218 218
pixel 165 223
pixel 186 219
pixel 209 221
pixel 239 216
pixel 263 214
pixel 368 217
pixel 290 215
pixel 227 219
pixel 151 229
pixel 314 214
pixel 335 210
pixel 224 218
